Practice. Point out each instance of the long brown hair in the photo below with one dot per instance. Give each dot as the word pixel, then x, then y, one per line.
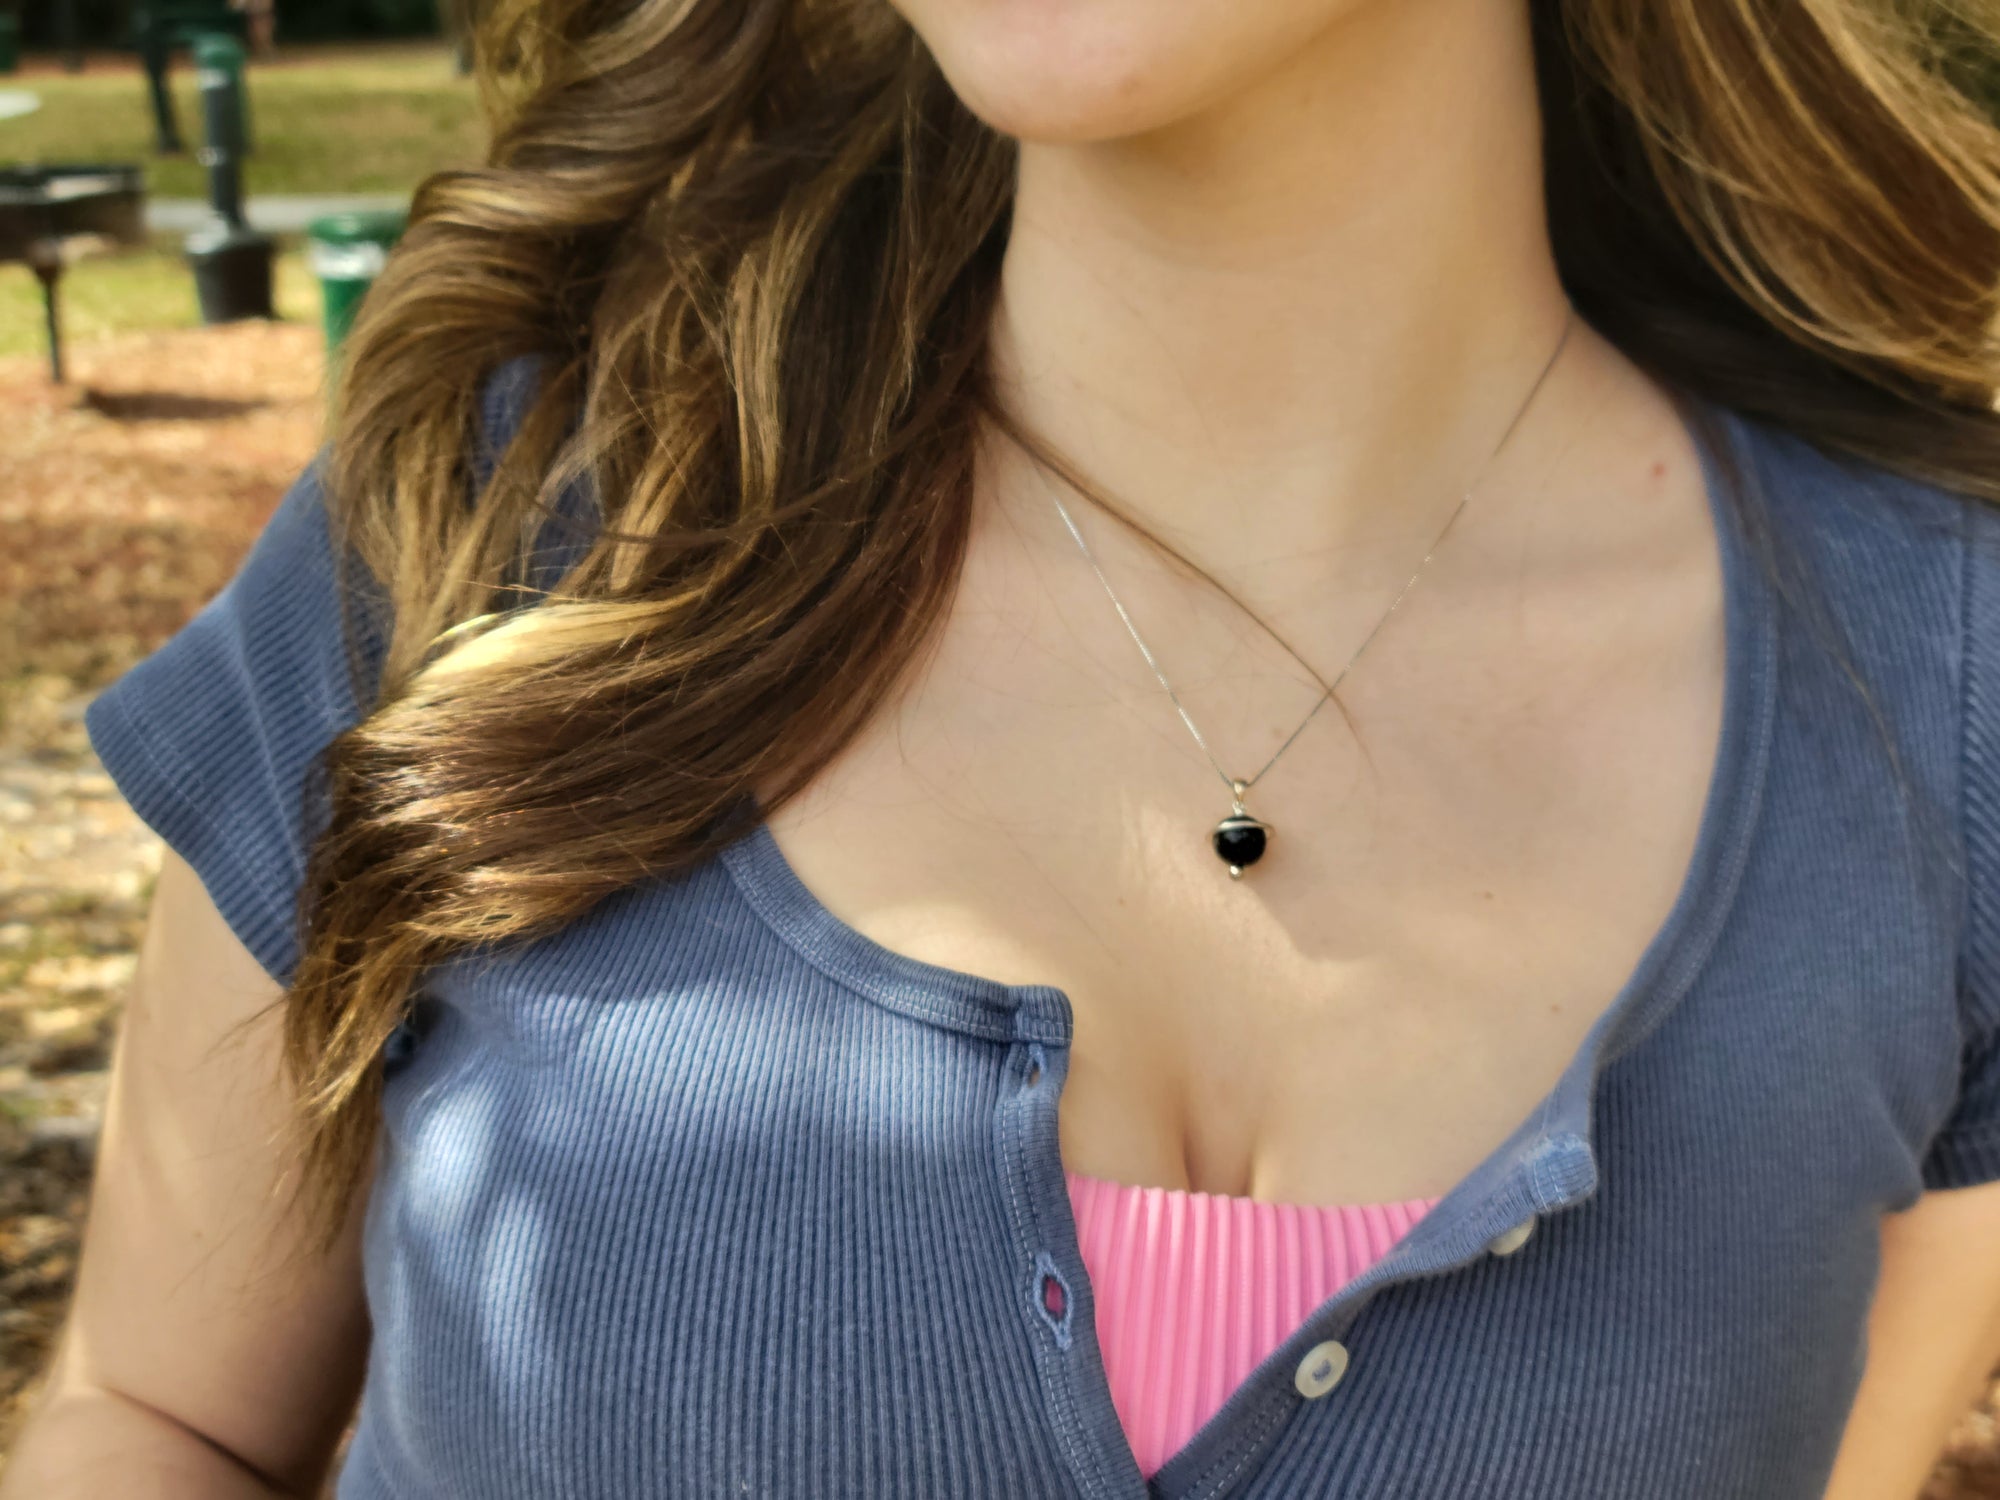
pixel 753 246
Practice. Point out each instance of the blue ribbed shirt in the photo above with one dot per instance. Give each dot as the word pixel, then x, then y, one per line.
pixel 711 1195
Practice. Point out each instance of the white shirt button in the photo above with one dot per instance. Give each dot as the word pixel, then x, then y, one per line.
pixel 1321 1369
pixel 1513 1239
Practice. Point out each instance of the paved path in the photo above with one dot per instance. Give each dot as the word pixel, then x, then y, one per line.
pixel 275 213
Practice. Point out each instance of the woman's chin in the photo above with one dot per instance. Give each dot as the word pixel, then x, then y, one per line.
pixel 1076 71
pixel 1036 92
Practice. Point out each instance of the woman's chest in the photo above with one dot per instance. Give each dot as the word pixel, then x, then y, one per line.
pixel 1359 1018
pixel 747 1208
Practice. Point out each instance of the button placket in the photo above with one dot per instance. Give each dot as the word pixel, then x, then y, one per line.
pixel 1050 1284
pixel 1052 1291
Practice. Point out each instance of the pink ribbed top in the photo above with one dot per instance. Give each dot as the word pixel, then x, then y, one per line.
pixel 1194 1289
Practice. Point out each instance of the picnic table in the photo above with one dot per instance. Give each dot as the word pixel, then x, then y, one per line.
pixel 51 215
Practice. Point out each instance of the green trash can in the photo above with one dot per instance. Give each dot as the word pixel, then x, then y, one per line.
pixel 10 41
pixel 347 252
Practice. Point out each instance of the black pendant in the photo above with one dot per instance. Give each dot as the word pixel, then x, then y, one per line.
pixel 1240 839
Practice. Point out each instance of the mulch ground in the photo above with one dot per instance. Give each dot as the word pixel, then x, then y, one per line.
pixel 126 500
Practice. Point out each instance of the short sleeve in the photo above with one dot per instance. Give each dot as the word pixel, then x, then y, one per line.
pixel 216 739
pixel 1967 1150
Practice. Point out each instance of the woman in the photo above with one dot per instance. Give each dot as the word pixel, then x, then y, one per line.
pixel 830 964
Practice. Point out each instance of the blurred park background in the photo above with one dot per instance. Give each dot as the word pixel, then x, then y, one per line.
pixel 130 489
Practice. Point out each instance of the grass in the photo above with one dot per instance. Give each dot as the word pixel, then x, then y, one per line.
pixel 145 289
pixel 350 122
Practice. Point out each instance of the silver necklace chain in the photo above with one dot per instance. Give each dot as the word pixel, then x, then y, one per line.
pixel 1238 787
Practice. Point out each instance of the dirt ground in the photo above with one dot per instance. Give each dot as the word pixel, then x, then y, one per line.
pixel 125 501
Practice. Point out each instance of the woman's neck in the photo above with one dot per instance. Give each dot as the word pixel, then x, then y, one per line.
pixel 1286 332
